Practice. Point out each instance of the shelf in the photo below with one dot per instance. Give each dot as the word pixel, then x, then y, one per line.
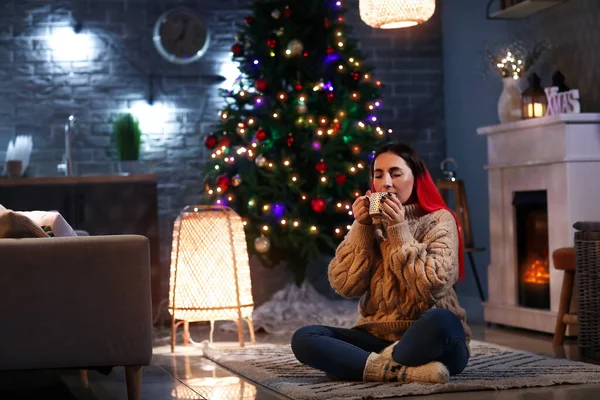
pixel 524 9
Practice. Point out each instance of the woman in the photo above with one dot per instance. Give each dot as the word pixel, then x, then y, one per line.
pixel 411 327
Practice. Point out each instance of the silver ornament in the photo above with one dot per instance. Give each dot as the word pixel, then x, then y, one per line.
pixel 276 14
pixel 295 47
pixel 302 108
pixel 262 244
pixel 260 161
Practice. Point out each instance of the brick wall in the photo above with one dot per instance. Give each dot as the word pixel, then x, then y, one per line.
pixel 40 87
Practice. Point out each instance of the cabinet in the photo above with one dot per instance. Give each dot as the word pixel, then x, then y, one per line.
pixel 100 205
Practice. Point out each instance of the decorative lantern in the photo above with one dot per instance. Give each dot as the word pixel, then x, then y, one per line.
pixel 392 14
pixel 210 272
pixel 533 99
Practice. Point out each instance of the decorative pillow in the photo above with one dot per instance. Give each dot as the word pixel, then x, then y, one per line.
pixel 51 222
pixel 2 208
pixel 16 226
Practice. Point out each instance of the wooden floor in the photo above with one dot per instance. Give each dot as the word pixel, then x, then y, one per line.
pixel 187 375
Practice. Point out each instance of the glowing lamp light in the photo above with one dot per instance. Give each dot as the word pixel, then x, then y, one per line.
pixel 393 14
pixel 210 272
pixel 533 99
pixel 153 117
pixel 67 45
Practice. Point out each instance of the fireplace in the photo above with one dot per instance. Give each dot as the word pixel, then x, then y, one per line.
pixel 541 175
pixel 531 224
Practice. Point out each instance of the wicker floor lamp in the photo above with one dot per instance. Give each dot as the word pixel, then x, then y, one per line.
pixel 210 273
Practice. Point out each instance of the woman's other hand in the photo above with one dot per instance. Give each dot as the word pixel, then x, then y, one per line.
pixel 360 209
pixel 393 210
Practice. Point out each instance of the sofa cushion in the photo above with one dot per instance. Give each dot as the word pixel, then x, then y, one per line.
pixel 51 222
pixel 17 226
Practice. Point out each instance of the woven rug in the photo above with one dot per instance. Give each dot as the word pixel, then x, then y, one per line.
pixel 491 367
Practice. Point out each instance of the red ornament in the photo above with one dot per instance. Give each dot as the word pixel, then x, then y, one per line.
pixel 330 97
pixel 355 75
pixel 223 182
pixel 340 179
pixel 321 166
pixel 298 86
pixel 326 22
pixel 237 49
pixel 211 141
pixel 305 54
pixel 287 13
pixel 261 134
pixel 330 50
pixel 290 141
pixel 249 19
pixel 271 42
pixel 225 141
pixel 261 85
pixel 336 126
pixel 318 204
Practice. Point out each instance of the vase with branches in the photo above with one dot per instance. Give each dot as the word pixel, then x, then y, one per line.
pixel 513 62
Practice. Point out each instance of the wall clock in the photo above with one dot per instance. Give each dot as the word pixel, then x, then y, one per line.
pixel 181 36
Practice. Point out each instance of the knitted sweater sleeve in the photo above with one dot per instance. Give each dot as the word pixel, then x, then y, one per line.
pixel 429 269
pixel 349 271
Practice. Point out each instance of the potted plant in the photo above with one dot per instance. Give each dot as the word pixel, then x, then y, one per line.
pixel 128 139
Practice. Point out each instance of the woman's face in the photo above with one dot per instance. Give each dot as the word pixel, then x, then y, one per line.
pixel 393 175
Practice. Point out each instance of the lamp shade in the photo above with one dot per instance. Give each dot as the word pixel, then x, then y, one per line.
pixel 392 14
pixel 210 272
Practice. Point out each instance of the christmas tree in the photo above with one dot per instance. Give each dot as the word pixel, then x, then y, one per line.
pixel 297 134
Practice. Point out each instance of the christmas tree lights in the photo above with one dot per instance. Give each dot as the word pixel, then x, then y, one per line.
pixel 294 141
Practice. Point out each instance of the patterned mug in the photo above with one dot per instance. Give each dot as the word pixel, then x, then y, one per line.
pixel 375 209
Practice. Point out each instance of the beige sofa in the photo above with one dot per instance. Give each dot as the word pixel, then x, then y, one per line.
pixel 76 302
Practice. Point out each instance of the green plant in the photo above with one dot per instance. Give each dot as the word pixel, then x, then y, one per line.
pixel 128 137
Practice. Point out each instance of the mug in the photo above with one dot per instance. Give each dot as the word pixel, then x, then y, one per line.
pixel 375 199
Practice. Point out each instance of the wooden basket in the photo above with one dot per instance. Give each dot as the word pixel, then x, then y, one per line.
pixel 587 256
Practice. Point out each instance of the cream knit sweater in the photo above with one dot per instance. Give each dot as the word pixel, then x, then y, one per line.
pixel 399 272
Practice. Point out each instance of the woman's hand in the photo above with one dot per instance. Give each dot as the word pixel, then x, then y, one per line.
pixel 360 209
pixel 393 210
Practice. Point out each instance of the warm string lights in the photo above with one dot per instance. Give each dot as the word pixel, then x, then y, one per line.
pixel 510 66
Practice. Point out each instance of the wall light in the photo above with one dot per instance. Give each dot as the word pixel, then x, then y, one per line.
pixel 229 70
pixel 152 117
pixel 68 45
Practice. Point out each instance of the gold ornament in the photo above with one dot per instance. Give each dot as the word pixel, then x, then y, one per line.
pixel 260 161
pixel 294 48
pixel 262 244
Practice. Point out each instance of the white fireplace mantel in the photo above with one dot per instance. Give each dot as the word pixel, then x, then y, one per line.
pixel 559 154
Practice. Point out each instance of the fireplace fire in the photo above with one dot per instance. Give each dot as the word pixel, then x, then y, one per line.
pixel 531 211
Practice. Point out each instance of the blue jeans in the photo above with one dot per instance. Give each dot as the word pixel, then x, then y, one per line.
pixel 437 335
